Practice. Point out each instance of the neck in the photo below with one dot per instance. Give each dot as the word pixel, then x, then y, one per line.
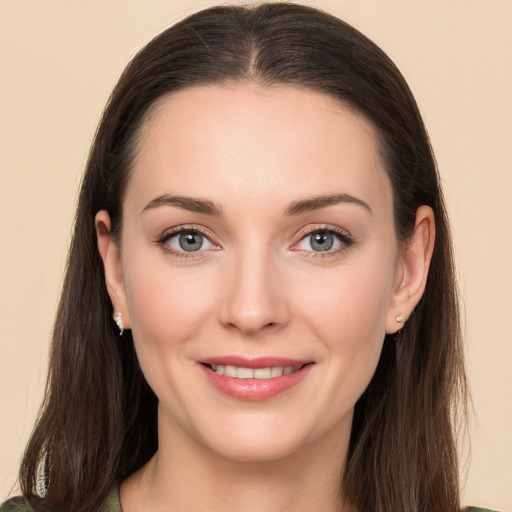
pixel 185 475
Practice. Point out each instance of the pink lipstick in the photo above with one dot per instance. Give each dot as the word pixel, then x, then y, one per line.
pixel 255 378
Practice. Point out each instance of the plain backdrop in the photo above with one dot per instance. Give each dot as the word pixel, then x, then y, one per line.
pixel 58 62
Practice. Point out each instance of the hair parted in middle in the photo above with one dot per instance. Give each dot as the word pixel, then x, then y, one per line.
pixel 98 422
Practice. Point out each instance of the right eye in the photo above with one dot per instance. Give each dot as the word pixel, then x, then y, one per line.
pixel 188 241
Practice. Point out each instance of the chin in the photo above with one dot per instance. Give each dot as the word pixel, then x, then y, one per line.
pixel 258 439
pixel 251 450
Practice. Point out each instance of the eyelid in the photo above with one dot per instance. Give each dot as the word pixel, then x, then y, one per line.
pixel 344 237
pixel 162 240
pixel 313 228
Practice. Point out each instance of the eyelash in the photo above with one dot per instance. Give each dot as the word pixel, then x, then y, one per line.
pixel 344 238
pixel 163 241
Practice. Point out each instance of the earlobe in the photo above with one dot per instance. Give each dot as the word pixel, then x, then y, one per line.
pixel 111 257
pixel 414 264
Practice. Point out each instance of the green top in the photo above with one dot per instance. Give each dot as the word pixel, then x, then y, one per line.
pixel 112 504
pixel 467 509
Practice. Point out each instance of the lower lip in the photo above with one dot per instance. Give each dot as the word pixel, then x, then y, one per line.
pixel 255 389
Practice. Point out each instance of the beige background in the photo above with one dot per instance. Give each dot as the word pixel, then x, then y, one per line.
pixel 58 63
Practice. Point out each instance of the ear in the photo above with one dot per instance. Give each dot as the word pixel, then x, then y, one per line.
pixel 412 271
pixel 111 256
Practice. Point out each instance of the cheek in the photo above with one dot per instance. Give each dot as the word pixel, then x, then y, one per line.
pixel 348 313
pixel 167 305
pixel 350 319
pixel 351 305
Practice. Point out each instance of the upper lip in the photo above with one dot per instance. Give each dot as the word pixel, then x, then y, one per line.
pixel 254 362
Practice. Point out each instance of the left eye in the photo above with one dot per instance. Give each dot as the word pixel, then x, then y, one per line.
pixel 189 241
pixel 320 241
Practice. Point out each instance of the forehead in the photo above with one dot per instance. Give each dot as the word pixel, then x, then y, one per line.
pixel 248 140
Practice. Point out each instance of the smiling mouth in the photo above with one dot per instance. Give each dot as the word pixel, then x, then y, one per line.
pixel 254 379
pixel 238 372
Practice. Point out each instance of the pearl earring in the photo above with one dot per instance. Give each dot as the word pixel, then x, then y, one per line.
pixel 400 319
pixel 118 319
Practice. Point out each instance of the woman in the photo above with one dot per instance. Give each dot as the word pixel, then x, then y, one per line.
pixel 262 217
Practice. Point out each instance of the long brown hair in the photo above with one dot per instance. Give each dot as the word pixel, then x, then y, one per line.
pixel 98 420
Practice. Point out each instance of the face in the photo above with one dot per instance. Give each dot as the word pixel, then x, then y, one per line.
pixel 259 268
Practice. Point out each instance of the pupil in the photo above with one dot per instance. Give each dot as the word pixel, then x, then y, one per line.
pixel 191 241
pixel 322 241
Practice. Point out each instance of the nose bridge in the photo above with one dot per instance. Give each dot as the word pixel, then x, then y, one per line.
pixel 253 299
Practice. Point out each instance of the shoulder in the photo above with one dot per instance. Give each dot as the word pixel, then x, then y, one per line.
pixel 19 504
pixel 474 509
pixel 15 505
pixel 111 504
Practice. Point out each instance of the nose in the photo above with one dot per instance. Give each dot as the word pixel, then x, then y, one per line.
pixel 254 299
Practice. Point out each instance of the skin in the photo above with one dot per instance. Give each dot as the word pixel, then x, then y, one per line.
pixel 258 289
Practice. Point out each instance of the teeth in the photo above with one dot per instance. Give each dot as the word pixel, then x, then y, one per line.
pixel 276 372
pixel 230 371
pixel 262 373
pixel 245 373
pixel 250 373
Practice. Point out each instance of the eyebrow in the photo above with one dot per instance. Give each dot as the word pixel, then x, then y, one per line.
pixel 208 207
pixel 319 202
pixel 191 204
